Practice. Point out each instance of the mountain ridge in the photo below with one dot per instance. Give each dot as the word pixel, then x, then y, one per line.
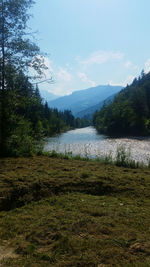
pixel 84 99
pixel 88 113
pixel 48 96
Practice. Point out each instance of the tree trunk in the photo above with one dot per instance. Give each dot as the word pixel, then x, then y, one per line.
pixel 2 119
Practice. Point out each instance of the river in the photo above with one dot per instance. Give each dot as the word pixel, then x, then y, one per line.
pixel 88 143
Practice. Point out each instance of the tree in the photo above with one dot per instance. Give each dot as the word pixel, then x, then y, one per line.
pixel 16 49
pixel 24 117
pixel 15 45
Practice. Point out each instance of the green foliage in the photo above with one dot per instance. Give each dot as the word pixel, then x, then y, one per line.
pixel 122 157
pixel 16 93
pixel 129 113
pixel 20 142
pixel 15 43
pixel 69 119
pixel 82 122
pixel 27 120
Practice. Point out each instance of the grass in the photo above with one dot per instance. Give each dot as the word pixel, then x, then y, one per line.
pixel 122 158
pixel 65 212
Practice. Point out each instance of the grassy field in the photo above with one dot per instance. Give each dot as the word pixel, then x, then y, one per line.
pixel 65 212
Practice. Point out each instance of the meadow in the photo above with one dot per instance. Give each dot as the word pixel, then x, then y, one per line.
pixel 57 211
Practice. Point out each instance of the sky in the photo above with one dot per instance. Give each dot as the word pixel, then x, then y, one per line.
pixel 91 42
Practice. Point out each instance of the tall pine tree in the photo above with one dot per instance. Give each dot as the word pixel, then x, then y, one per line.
pixel 16 49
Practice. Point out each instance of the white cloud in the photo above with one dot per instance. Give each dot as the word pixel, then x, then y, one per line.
pixel 64 75
pixel 100 57
pixel 128 64
pixel 128 81
pixel 62 82
pixel 61 90
pixel 48 63
pixel 84 78
pixel 147 66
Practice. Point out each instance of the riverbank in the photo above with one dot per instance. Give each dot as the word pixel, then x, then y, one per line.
pixel 86 142
pixel 65 212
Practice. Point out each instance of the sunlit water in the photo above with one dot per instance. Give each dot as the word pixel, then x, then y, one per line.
pixel 88 143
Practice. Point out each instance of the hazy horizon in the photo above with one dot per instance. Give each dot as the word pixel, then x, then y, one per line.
pixel 48 91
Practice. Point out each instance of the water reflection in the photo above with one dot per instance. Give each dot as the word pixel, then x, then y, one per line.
pixel 87 142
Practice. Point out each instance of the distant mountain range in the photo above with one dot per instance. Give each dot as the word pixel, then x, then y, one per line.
pixel 86 101
pixel 48 96
pixel 88 113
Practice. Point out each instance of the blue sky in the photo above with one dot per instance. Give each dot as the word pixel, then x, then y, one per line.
pixel 92 42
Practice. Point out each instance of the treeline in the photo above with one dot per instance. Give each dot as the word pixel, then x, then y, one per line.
pixel 129 113
pixel 26 118
pixel 73 122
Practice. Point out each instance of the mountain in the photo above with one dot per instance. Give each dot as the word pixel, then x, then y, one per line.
pixel 48 96
pixel 88 113
pixel 129 112
pixel 81 100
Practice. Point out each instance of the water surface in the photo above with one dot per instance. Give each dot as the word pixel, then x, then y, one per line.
pixel 88 143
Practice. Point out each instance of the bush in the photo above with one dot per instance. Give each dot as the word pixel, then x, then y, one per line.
pixel 21 142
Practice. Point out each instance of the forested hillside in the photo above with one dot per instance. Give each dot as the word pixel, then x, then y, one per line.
pixel 129 113
pixel 88 113
pixel 26 118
